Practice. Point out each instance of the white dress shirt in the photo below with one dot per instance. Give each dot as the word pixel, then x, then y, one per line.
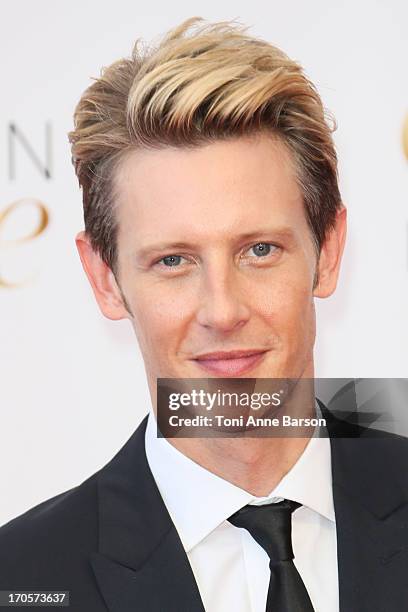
pixel 231 569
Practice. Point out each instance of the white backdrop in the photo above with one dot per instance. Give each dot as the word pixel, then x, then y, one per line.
pixel 72 384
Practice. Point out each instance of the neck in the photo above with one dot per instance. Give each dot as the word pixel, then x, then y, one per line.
pixel 256 465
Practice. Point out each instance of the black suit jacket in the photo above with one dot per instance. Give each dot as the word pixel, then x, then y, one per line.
pixel 112 544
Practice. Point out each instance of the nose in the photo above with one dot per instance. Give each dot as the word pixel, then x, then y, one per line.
pixel 223 306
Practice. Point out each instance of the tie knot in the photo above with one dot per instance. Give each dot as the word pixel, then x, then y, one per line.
pixel 271 526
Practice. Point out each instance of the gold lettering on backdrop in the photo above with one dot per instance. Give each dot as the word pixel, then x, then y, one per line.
pixel 405 136
pixel 37 230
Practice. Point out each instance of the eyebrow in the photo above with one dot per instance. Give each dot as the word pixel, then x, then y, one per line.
pixel 283 234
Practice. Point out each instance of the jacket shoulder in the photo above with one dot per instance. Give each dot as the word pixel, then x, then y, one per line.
pixel 50 538
pixel 380 458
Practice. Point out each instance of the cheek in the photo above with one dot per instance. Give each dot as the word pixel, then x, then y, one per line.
pixel 158 319
pixel 287 303
pixel 287 308
pixel 298 321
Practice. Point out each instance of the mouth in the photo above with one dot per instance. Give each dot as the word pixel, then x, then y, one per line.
pixel 232 363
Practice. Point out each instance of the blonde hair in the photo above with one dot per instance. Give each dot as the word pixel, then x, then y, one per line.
pixel 201 82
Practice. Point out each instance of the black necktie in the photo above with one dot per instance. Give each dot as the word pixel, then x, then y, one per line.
pixel 271 526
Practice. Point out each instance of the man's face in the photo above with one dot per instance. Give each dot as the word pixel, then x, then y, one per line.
pixel 215 254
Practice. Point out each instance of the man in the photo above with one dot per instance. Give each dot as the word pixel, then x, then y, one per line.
pixel 213 220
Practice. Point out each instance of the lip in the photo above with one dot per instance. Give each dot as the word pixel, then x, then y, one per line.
pixel 230 363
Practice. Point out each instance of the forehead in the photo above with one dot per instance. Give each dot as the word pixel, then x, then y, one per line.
pixel 209 191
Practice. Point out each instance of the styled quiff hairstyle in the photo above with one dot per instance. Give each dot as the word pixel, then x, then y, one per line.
pixel 202 82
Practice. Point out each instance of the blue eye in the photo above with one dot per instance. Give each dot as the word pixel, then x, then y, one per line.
pixel 171 260
pixel 262 248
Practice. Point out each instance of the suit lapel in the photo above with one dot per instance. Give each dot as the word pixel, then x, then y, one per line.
pixel 371 517
pixel 141 563
pixel 163 582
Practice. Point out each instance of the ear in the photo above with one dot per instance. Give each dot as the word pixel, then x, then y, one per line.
pixel 102 279
pixel 330 256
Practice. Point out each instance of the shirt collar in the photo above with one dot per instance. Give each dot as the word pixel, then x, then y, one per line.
pixel 186 487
